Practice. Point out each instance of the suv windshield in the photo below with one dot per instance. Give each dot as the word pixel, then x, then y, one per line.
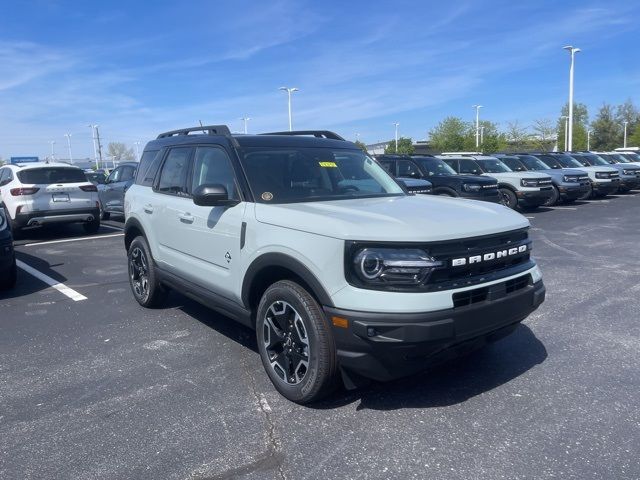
pixel 434 167
pixel 550 161
pixel 50 175
pixel 532 163
pixel 493 166
pixel 634 157
pixel 595 160
pixel 290 174
pixel 580 161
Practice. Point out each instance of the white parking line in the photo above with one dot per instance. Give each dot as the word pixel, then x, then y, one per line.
pixel 112 227
pixel 95 237
pixel 62 288
pixel 564 208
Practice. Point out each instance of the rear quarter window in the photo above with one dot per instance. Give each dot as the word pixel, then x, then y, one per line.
pixel 148 168
pixel 52 175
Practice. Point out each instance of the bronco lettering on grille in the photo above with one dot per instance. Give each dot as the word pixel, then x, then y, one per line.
pixel 485 257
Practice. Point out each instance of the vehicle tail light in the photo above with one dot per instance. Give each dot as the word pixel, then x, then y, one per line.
pixel 88 188
pixel 16 192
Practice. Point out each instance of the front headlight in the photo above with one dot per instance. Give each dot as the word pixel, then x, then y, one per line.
pixel 380 267
pixel 629 172
pixel 602 175
pixel 568 179
pixel 471 187
pixel 528 183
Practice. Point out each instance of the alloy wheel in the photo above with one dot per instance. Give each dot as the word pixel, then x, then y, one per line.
pixel 139 272
pixel 286 342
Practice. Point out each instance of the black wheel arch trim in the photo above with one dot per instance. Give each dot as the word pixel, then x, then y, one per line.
pixel 507 186
pixel 129 226
pixel 275 259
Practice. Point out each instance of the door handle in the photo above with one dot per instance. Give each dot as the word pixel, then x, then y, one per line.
pixel 148 208
pixel 186 217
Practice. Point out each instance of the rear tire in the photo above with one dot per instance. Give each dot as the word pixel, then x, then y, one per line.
pixel 296 343
pixel 553 199
pixel 143 277
pixel 508 198
pixel 93 226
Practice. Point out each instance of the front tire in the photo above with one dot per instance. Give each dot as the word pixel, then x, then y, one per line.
pixel 508 198
pixel 296 343
pixel 553 199
pixel 143 277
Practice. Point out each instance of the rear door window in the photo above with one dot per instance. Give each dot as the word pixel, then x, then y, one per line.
pixel 148 167
pixel 52 175
pixel 408 169
pixel 469 167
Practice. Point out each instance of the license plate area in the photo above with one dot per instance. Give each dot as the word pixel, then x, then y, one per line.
pixel 60 197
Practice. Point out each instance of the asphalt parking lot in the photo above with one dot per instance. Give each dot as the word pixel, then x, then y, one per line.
pixel 92 386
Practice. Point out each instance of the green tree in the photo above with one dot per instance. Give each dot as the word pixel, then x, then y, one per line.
pixel 450 135
pixel 627 112
pixel 405 146
pixel 580 122
pixel 606 131
pixel 633 140
pixel 120 152
pixel 491 139
pixel 361 145
pixel 517 136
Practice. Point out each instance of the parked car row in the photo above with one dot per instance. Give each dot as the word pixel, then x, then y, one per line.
pixel 521 180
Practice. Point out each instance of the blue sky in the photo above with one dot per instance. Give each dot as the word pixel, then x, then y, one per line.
pixel 360 66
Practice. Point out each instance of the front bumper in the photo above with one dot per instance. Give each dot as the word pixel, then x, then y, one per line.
pixel 605 188
pixel 534 198
pixel 43 217
pixel 482 196
pixel 384 346
pixel 630 183
pixel 572 192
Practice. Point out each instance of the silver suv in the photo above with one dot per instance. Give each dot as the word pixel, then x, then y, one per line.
pixel 306 239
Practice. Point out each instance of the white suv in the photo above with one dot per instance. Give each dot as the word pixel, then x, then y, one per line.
pixel 41 193
pixel 305 238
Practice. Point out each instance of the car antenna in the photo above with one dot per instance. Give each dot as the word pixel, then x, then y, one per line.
pixel 203 130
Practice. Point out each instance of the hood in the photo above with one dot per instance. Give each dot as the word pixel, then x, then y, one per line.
pixel 420 218
pixel 481 179
pixel 599 168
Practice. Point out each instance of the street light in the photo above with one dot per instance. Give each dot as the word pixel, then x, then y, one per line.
pixel 566 130
pixel 477 107
pixel 482 135
pixel 572 50
pixel 93 137
pixel 625 134
pixel 137 144
pixel 53 151
pixel 68 135
pixel 246 119
pixel 397 125
pixel 589 140
pixel 289 91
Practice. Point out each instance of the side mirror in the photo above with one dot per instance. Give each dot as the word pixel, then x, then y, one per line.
pixel 212 195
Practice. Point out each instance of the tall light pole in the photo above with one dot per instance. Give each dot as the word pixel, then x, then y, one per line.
pixel 624 144
pixel 477 107
pixel 588 140
pixel 246 120
pixel 566 131
pixel 93 137
pixel 289 91
pixel 397 125
pixel 482 135
pixel 572 50
pixel 137 145
pixel 68 135
pixel 53 149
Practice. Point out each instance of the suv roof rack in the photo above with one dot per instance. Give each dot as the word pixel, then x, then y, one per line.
pixel 206 129
pixel 316 133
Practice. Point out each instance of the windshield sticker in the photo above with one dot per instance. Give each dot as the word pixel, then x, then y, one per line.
pixel 267 196
pixel 328 164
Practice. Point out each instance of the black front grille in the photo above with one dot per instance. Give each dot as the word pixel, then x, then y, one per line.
pixel 449 276
pixel 463 299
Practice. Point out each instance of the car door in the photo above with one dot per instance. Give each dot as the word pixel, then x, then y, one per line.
pixel 119 188
pixel 106 192
pixel 213 233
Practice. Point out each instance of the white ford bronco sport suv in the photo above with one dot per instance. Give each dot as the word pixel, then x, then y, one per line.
pixel 306 239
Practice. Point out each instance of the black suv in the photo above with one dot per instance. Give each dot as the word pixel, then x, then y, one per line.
pixel 445 180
